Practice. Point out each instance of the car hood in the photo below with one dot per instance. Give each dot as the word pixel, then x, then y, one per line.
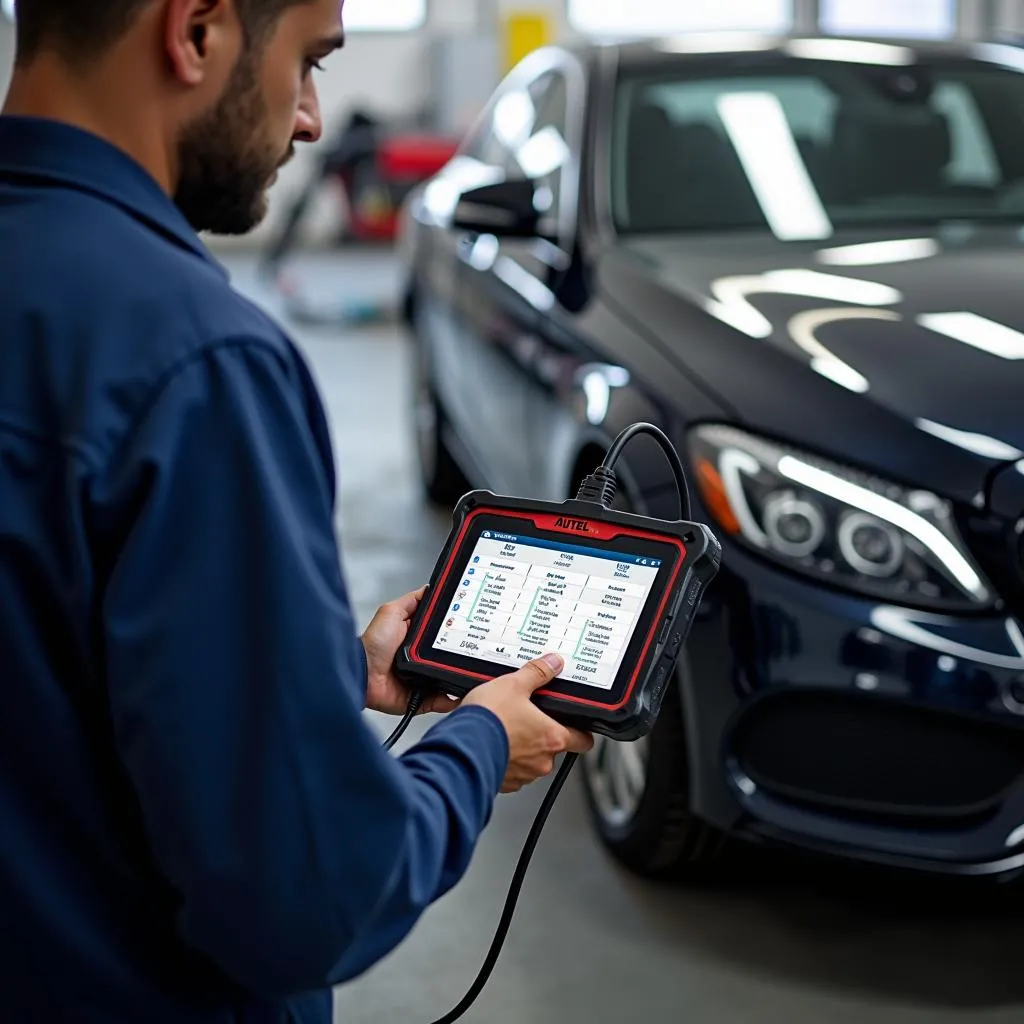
pixel 920 334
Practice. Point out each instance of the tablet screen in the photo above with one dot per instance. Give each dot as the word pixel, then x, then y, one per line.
pixel 520 597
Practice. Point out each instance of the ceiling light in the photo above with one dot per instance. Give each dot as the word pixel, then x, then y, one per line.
pixel 979 444
pixel 854 51
pixel 760 133
pixel 803 328
pixel 543 154
pixel 898 250
pixel 1000 53
pixel 731 295
pixel 393 16
pixel 978 332
pixel 830 286
pixel 514 117
pixel 716 42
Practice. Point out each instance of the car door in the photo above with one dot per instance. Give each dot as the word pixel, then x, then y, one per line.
pixel 505 291
pixel 552 360
pixel 438 320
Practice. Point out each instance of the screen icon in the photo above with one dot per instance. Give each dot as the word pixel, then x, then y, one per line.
pixel 466 583
pixel 476 558
pixel 487 536
pixel 456 607
pixel 471 571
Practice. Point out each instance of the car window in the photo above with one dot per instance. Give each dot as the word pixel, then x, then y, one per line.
pixel 525 136
pixel 809 104
pixel 840 145
pixel 972 159
pixel 545 154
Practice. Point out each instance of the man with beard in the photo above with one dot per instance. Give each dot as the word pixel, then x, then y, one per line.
pixel 197 824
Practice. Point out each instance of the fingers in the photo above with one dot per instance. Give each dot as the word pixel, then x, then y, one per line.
pixel 525 774
pixel 535 674
pixel 577 742
pixel 408 603
pixel 440 704
pixel 563 740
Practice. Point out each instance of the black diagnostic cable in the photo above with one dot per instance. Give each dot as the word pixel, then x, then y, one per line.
pixel 599 487
pixel 411 711
pixel 518 877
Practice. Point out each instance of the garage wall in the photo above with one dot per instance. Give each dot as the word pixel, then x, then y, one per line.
pixel 395 74
pixel 389 73
pixel 1009 15
pixel 6 53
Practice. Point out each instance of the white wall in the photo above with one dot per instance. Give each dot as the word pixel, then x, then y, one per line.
pixel 6 53
pixel 1009 15
pixel 392 74
pixel 389 73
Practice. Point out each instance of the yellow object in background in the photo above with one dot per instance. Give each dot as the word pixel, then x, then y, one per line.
pixel 525 31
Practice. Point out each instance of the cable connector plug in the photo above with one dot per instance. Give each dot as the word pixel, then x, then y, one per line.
pixel 599 487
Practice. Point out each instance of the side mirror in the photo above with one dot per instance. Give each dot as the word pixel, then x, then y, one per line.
pixel 507 209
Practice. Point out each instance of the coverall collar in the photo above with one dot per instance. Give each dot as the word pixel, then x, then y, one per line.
pixel 47 151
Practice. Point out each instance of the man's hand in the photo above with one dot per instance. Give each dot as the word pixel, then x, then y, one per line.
pixel 534 739
pixel 383 637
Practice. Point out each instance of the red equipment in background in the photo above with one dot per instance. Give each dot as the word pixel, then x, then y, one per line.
pixel 376 165
pixel 376 188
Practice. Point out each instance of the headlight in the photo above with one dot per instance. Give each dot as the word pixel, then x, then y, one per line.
pixel 835 524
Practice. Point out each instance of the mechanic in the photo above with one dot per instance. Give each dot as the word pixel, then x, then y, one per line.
pixel 198 825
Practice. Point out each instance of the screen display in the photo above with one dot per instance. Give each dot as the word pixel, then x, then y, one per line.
pixel 522 597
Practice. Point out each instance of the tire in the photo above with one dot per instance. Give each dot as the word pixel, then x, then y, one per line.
pixel 442 479
pixel 639 803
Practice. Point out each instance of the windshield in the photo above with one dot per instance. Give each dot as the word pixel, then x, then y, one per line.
pixel 803 148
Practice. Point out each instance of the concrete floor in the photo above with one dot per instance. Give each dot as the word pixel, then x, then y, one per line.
pixel 790 942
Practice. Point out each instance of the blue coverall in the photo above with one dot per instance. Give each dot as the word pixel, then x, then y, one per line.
pixel 196 824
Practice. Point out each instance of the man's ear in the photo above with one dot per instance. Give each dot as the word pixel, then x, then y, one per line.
pixel 201 37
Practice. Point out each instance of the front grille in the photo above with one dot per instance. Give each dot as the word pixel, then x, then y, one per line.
pixel 866 756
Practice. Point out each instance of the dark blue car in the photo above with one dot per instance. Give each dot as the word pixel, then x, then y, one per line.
pixel 804 260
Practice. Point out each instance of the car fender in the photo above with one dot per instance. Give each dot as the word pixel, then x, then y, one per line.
pixel 644 473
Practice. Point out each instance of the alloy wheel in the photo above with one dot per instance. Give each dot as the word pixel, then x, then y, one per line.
pixel 617 774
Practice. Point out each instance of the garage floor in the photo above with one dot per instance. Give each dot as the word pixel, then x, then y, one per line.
pixel 790 942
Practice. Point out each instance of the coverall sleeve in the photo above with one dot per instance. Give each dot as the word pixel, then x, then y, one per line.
pixel 299 851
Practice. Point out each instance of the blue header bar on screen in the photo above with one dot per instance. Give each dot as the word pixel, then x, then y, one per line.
pixel 572 549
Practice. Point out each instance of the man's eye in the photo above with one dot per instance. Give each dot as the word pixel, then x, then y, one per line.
pixel 314 64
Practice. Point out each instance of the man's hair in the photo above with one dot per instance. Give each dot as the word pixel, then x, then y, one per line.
pixel 82 30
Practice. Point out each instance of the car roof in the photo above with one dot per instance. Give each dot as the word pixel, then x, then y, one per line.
pixel 727 47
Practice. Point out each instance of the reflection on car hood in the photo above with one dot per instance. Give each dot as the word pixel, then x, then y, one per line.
pixel 927 328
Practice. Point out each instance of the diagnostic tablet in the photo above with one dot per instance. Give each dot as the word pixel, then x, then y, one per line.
pixel 614 594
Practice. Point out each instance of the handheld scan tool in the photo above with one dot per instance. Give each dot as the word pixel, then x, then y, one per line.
pixel 613 593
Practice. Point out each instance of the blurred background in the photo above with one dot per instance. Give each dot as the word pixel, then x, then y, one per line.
pixel 430 65
pixel 854 853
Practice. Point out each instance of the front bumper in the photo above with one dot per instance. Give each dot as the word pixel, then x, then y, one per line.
pixel 834 723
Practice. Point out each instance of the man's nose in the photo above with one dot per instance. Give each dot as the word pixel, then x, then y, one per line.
pixel 309 124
